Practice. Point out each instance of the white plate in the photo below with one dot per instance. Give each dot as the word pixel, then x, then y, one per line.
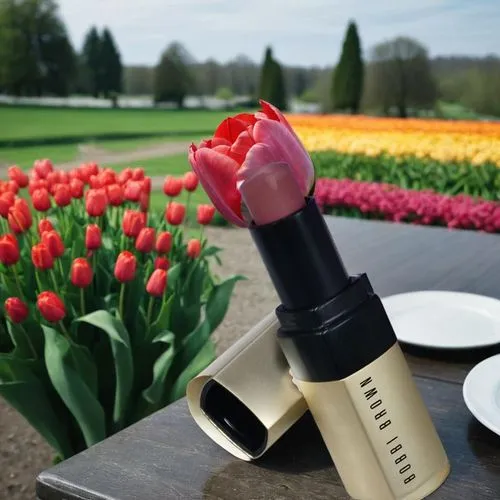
pixel 481 392
pixel 444 320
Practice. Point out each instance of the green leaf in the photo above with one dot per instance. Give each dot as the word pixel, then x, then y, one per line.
pixel 173 275
pixel 204 357
pixel 209 251
pixel 23 348
pixel 163 320
pixel 63 362
pixel 122 354
pixel 25 393
pixel 218 301
pixel 153 394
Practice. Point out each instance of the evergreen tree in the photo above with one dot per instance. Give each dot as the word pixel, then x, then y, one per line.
pixel 348 75
pixel 92 61
pixel 266 75
pixel 111 66
pixel 272 82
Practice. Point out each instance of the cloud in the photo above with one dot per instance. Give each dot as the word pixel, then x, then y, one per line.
pixel 300 31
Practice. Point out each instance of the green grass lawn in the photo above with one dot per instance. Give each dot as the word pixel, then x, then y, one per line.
pixel 34 122
pixel 174 165
pixel 131 144
pixel 24 157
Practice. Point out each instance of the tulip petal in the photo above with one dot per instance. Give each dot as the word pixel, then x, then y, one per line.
pixel 273 113
pixel 230 129
pixel 247 118
pixel 258 156
pixel 241 146
pixel 219 141
pixel 286 148
pixel 217 174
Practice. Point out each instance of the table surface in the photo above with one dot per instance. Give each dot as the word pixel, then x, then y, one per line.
pixel 166 456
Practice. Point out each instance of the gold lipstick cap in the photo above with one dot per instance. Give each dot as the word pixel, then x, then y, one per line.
pixel 245 400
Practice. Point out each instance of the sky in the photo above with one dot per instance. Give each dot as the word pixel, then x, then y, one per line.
pixel 301 32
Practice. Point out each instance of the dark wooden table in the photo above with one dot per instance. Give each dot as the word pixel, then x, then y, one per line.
pixel 167 456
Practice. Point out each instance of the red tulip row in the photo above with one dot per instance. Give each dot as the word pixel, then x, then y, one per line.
pixel 402 205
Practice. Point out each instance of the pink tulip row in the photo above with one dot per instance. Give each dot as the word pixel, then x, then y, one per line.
pixel 393 203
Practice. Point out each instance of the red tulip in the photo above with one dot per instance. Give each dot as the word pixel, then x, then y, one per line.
pixel 146 185
pixel 96 202
pixel 95 182
pixel 240 146
pixel 164 242
pixel 172 186
pixel 53 241
pixel 18 176
pixel 145 241
pixel 81 273
pixel 6 201
pixel 124 176
pixel 43 168
pixel 125 267
pixel 19 216
pixel 93 239
pixel 77 187
pixel 115 194
pixel 37 184
pixel 162 263
pixel 41 256
pixel 193 248
pixel 138 174
pixel 64 177
pixel 16 309
pixel 107 177
pixel 41 200
pixel 144 201
pixel 175 213
pixel 45 225
pixel 9 249
pixel 51 306
pixel 157 283
pixel 62 195
pixel 190 181
pixel 133 190
pixel 205 214
pixel 133 222
pixel 53 178
pixel 13 187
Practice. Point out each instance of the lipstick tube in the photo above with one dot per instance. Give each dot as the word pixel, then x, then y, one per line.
pixel 346 361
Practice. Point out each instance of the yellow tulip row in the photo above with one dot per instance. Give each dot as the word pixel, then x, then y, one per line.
pixel 444 141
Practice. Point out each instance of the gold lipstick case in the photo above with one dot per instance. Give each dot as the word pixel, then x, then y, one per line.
pixel 245 400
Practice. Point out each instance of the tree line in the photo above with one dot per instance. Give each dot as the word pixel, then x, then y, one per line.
pixel 394 77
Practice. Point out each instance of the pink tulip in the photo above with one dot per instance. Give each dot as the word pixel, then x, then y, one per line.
pixel 242 144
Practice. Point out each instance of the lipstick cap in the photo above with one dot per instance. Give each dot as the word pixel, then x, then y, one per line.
pixel 246 400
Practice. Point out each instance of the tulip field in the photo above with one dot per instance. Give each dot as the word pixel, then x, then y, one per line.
pixel 420 171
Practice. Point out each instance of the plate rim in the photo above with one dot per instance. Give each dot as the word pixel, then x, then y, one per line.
pixel 495 428
pixel 482 345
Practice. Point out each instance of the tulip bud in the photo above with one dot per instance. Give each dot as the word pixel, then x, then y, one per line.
pixel 54 242
pixel 81 273
pixel 17 175
pixel 41 256
pixel 53 178
pixel 51 306
pixel 162 263
pixel 62 195
pixel 146 185
pixel 144 201
pixel 96 202
pixel 43 168
pixel 172 186
pixel 125 267
pixel 157 283
pixel 115 194
pixel 63 177
pixel 190 181
pixel 175 213
pixel 76 187
pixel 107 177
pixel 44 225
pixel 193 248
pixel 205 214
pixel 19 216
pixel 164 242
pixel 13 187
pixel 9 249
pixel 145 240
pixel 41 200
pixel 138 174
pixel 133 190
pixel 16 309
pixel 93 239
pixel 37 184
pixel 6 201
pixel 124 176
pixel 133 222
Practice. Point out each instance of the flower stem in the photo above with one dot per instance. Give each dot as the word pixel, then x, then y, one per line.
pixel 64 329
pixel 202 227
pixel 28 340
pixel 122 300
pixel 150 310
pixel 18 282
pixel 61 271
pixel 54 281
pixel 82 301
pixel 186 220
pixel 38 282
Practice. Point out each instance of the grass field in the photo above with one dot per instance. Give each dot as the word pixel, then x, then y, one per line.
pixel 173 165
pixel 31 122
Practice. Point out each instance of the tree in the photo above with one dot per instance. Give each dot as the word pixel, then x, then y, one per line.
pixel 173 78
pixel 348 76
pixel 400 76
pixel 111 66
pixel 225 94
pixel 91 55
pixel 272 82
pixel 36 56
